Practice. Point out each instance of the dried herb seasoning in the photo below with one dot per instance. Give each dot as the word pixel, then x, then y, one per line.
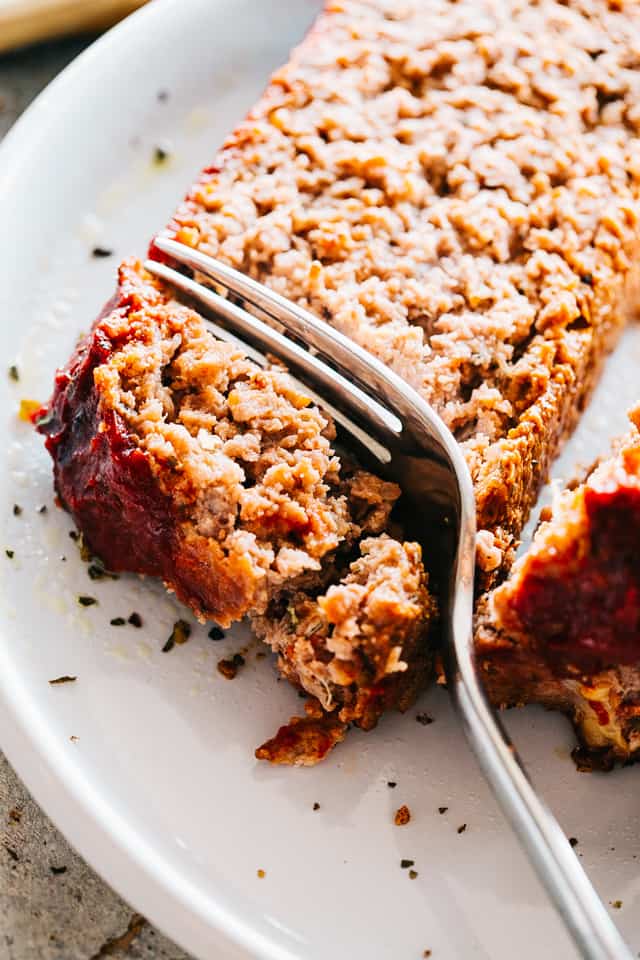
pixel 86 601
pixel 160 156
pixel 424 719
pixel 63 679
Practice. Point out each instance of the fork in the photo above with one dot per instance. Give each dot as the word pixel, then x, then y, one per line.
pixel 388 424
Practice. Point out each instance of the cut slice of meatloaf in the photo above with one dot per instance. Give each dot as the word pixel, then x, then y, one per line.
pixel 180 458
pixel 455 186
pixel 564 629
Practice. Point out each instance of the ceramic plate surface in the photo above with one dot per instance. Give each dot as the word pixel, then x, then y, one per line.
pixel 146 761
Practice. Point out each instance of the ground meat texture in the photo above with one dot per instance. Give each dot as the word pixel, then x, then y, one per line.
pixel 564 629
pixel 180 458
pixel 359 647
pixel 456 187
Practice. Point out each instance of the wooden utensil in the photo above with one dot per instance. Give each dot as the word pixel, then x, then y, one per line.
pixel 27 21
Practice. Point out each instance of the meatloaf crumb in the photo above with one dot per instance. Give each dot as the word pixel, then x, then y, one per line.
pixel 564 629
pixel 359 647
pixel 181 458
pixel 456 187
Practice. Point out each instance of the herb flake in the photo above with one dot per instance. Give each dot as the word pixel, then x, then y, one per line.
pixel 424 719
pixel 160 156
pixel 86 601
pixel 65 678
pixel 180 634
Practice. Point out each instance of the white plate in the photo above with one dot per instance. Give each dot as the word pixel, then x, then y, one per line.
pixel 160 791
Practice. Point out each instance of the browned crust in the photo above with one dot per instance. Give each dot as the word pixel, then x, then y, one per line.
pixel 563 630
pixel 557 234
pixel 180 458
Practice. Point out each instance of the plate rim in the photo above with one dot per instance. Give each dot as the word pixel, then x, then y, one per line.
pixel 96 830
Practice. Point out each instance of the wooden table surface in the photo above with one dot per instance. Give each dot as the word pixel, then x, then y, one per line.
pixel 52 905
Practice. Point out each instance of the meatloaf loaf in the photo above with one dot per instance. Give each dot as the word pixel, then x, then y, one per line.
pixel 180 458
pixel 564 629
pixel 456 187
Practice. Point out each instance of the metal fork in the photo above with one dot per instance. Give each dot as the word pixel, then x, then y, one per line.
pixel 390 425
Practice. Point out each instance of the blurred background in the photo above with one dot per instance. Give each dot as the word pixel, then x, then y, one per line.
pixel 25 22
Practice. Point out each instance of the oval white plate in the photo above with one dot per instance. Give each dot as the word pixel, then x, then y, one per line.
pixel 160 791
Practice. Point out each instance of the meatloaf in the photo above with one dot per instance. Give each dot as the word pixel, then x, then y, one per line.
pixel 564 629
pixel 456 186
pixel 180 458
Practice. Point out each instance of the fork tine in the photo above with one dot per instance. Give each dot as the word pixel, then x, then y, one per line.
pixel 575 898
pixel 351 359
pixel 247 331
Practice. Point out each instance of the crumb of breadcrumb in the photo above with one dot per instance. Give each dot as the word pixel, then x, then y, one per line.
pixel 261 874
pixel 229 667
pixel 403 816
pixel 616 904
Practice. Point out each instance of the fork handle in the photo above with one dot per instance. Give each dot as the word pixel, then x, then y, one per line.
pixel 593 931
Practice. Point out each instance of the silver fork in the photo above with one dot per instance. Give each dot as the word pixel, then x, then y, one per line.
pixel 396 431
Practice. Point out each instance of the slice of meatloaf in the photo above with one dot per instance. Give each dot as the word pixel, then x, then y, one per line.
pixel 456 186
pixel 564 629
pixel 180 458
